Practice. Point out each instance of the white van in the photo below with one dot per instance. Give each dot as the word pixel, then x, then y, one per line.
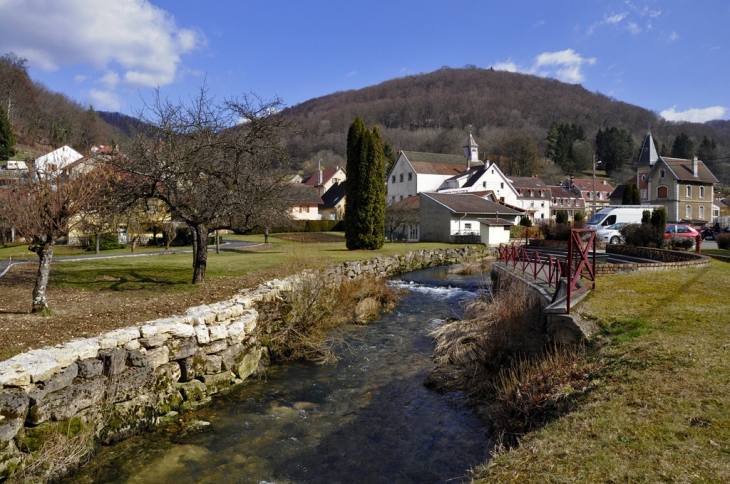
pixel 630 214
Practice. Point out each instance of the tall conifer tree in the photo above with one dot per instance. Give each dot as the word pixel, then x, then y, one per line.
pixel 7 139
pixel 365 203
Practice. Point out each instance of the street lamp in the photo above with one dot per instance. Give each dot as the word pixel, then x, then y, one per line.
pixel 595 162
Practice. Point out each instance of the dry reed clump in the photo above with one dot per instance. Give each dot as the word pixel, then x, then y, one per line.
pixel 533 391
pixel 306 322
pixel 60 450
pixel 472 267
pixel 495 330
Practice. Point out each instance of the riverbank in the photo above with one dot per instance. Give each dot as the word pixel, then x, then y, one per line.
pixel 658 409
pixel 92 297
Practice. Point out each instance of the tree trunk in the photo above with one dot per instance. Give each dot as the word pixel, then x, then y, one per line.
pixel 98 244
pixel 201 257
pixel 266 235
pixel 217 242
pixel 194 235
pixel 45 255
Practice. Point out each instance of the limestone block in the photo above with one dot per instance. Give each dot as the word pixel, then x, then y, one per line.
pixel 223 315
pixel 231 356
pixel 154 341
pixel 158 356
pixel 115 361
pixel 132 383
pixel 168 371
pixel 249 363
pixel 193 390
pixel 236 310
pixel 216 382
pixel 133 345
pixel 13 374
pixel 187 369
pixel 130 418
pixel 176 327
pixel 201 333
pixel 148 330
pixel 197 320
pixel 33 366
pixel 244 301
pixel 55 383
pixel 217 332
pixel 69 401
pixel 181 347
pixel 90 368
pixel 13 403
pixel 123 335
pixel 215 347
pixel 203 364
pixel 9 428
pixel 236 332
pixel 137 358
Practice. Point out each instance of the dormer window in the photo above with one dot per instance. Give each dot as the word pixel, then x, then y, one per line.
pixel 662 173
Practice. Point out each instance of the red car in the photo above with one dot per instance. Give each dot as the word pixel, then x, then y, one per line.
pixel 680 230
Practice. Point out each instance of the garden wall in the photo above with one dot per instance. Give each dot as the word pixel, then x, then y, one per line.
pixel 121 382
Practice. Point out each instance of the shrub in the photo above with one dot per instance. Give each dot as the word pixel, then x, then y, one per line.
pixel 518 231
pixel 525 221
pixel 659 218
pixel 555 231
pixel 723 241
pixel 561 217
pixel 106 242
pixel 579 217
pixel 642 235
pixel 673 243
pixel 645 217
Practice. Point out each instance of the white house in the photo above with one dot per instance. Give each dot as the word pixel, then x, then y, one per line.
pixel 487 177
pixel 303 201
pixel 414 172
pixel 534 196
pixel 324 179
pixel 56 160
pixel 452 217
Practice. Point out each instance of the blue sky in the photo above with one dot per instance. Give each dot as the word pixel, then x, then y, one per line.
pixel 671 56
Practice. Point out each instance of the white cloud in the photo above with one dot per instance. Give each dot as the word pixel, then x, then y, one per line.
pixel 508 66
pixel 105 100
pixel 79 78
pixel 614 19
pixel 351 73
pixel 566 65
pixel 694 115
pixel 142 41
pixel 634 28
pixel 673 36
pixel 110 80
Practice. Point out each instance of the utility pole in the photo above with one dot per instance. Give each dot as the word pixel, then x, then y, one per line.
pixel 594 183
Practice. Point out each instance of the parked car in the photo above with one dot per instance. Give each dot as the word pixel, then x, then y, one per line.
pixel 611 234
pixel 680 230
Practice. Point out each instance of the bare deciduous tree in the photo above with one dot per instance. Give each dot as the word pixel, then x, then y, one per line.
pixel 46 208
pixel 401 216
pixel 210 162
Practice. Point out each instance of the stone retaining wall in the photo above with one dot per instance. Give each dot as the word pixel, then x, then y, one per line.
pixel 122 381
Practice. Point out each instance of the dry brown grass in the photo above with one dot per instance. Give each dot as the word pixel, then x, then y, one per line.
pixel 495 331
pixel 306 323
pixel 472 267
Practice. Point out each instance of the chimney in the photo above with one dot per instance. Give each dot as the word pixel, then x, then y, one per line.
pixel 694 166
pixel 319 172
pixel 604 182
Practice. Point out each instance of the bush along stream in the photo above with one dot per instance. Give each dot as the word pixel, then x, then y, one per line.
pixel 366 417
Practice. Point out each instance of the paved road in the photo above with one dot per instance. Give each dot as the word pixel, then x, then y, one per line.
pixel 226 245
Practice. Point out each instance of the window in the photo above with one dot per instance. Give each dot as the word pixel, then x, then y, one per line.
pixel 392 199
pixel 501 185
pixel 702 192
pixel 701 214
pixel 305 209
pixel 662 174
pixel 393 179
pixel 532 193
pixel 484 184
pixel 410 176
pixel 401 197
pixel 590 195
pixel 643 193
pixel 542 204
pixel 688 212
pixel 600 196
pixel 401 178
pixel 542 215
pixel 661 192
pixel 467 226
pixel 689 191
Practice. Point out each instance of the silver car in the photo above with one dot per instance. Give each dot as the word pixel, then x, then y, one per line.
pixel 611 234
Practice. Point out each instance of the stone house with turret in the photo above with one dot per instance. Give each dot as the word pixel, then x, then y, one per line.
pixel 683 187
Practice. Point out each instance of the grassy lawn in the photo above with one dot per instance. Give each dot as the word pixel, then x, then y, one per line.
pixel 20 251
pixel 660 410
pixel 174 272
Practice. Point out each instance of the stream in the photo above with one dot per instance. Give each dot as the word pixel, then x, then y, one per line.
pixel 368 419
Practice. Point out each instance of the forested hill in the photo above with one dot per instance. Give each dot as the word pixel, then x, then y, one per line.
pixel 429 112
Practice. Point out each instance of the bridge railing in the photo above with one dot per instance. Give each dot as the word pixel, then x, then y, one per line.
pixel 578 264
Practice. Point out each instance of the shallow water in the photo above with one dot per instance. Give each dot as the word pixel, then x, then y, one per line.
pixel 368 419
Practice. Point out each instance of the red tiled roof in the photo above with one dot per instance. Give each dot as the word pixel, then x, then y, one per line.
pixel 327 173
